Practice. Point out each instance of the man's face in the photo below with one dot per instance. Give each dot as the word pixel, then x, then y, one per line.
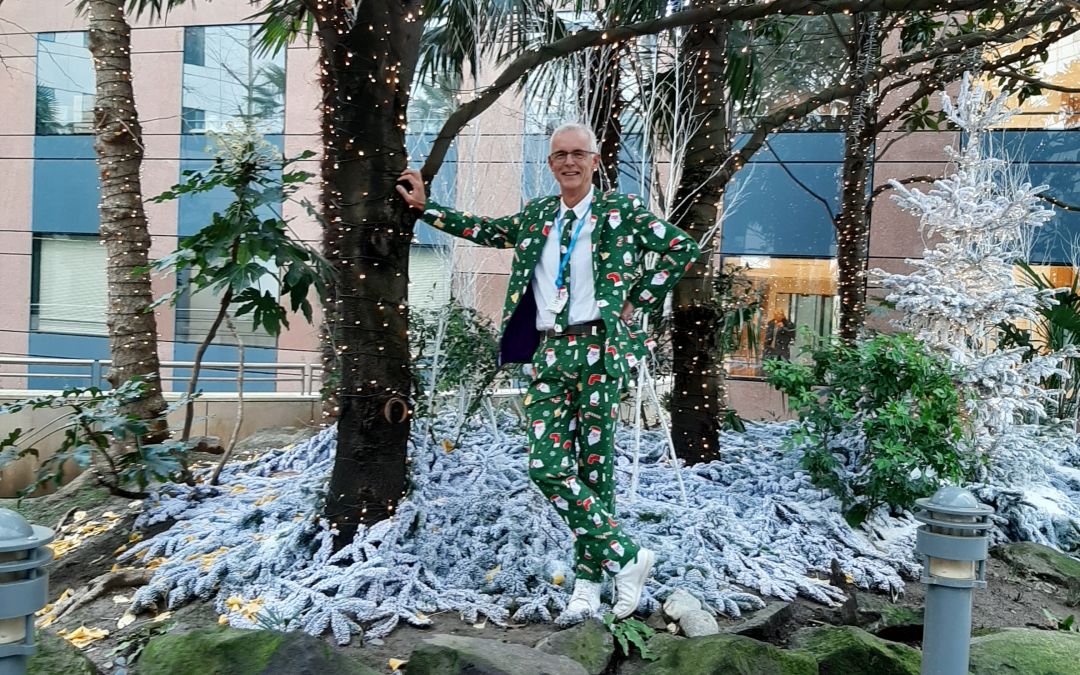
pixel 572 173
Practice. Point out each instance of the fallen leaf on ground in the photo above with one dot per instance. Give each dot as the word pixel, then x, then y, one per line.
pixel 395 664
pixel 83 637
pixel 164 616
pixel 121 599
pixel 126 620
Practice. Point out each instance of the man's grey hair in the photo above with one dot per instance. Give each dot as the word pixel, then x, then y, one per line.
pixel 581 128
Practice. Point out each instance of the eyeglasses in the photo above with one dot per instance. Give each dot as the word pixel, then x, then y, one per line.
pixel 576 155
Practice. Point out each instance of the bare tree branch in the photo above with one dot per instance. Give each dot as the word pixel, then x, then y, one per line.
pixel 1013 74
pixel 903 181
pixel 704 15
pixel 1064 206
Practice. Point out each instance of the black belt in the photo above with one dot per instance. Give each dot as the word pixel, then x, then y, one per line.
pixel 588 328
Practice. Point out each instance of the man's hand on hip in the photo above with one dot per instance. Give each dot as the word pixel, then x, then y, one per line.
pixel 414 194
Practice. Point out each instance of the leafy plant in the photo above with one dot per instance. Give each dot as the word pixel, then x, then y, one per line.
pixel 1057 330
pixel 251 260
pixel 457 346
pixel 96 432
pixel 880 422
pixel 1068 624
pixel 631 632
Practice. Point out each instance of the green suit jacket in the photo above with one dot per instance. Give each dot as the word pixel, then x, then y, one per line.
pixel 624 231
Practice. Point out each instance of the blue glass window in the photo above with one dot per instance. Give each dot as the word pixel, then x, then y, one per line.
pixel 64 96
pixel 227 78
pixel 1052 159
pixel 782 203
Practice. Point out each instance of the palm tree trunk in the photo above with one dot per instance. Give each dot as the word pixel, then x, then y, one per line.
pixel 698 400
pixel 368 233
pixel 118 144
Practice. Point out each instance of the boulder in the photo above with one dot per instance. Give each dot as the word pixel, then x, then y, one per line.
pixel 590 643
pixel 1040 561
pixel 698 622
pixel 842 650
pixel 230 651
pixel 889 620
pixel 680 602
pixel 764 624
pixel 721 654
pixel 1025 650
pixel 460 655
pixel 57 656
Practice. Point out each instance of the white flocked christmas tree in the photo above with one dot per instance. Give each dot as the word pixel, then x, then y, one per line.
pixel 959 294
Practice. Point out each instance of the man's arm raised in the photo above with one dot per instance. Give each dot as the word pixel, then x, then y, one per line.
pixel 493 232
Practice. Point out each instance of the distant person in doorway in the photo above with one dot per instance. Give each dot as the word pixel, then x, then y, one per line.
pixel 779 334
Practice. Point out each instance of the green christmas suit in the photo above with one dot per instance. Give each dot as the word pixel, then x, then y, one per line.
pixel 573 399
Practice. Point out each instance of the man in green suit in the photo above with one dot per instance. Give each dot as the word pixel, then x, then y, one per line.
pixel 576 278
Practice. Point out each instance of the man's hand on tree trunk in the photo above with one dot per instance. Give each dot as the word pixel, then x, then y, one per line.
pixel 413 189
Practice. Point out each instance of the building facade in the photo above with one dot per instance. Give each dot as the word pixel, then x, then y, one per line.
pixel 200 69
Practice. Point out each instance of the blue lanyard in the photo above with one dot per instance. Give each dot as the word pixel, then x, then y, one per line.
pixel 569 249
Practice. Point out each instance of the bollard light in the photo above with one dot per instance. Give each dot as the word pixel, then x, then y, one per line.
pixel 952 542
pixel 24 587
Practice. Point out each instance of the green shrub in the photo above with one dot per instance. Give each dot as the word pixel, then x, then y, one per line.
pixel 881 422
pixel 96 432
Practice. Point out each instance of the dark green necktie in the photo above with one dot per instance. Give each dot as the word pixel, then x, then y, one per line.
pixel 562 320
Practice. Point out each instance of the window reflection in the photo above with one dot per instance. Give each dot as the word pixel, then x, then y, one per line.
pixel 64 98
pixel 226 79
pixel 799 308
pixel 1052 109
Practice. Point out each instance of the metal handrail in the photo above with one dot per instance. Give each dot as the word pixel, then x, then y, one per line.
pixel 93 370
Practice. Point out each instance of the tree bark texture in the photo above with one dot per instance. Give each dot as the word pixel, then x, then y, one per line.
pixel 367 73
pixel 697 401
pixel 119 147
pixel 853 222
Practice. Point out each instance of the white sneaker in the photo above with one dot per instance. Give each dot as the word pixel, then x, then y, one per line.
pixel 586 598
pixel 630 582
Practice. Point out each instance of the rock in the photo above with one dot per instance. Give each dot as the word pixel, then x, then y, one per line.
pixel 590 643
pixel 57 656
pixel 230 651
pixel 842 650
pixel 211 445
pixel 1040 561
pixel 460 655
pixel 764 624
pixel 656 621
pixel 721 654
pixel 889 620
pixel 1027 651
pixel 273 438
pixel 698 622
pixel 679 603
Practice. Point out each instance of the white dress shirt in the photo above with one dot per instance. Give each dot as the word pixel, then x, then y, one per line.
pixel 582 291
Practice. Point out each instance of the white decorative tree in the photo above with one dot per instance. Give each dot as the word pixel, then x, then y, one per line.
pixel 964 288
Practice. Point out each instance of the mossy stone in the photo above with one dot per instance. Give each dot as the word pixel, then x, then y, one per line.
pixel 57 656
pixel 1026 651
pixel 720 654
pixel 590 643
pixel 1040 561
pixel 841 650
pixel 229 651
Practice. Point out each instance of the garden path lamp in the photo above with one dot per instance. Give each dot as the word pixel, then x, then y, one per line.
pixel 24 587
pixel 953 546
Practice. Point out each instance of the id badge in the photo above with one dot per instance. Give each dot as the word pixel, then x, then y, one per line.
pixel 559 301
